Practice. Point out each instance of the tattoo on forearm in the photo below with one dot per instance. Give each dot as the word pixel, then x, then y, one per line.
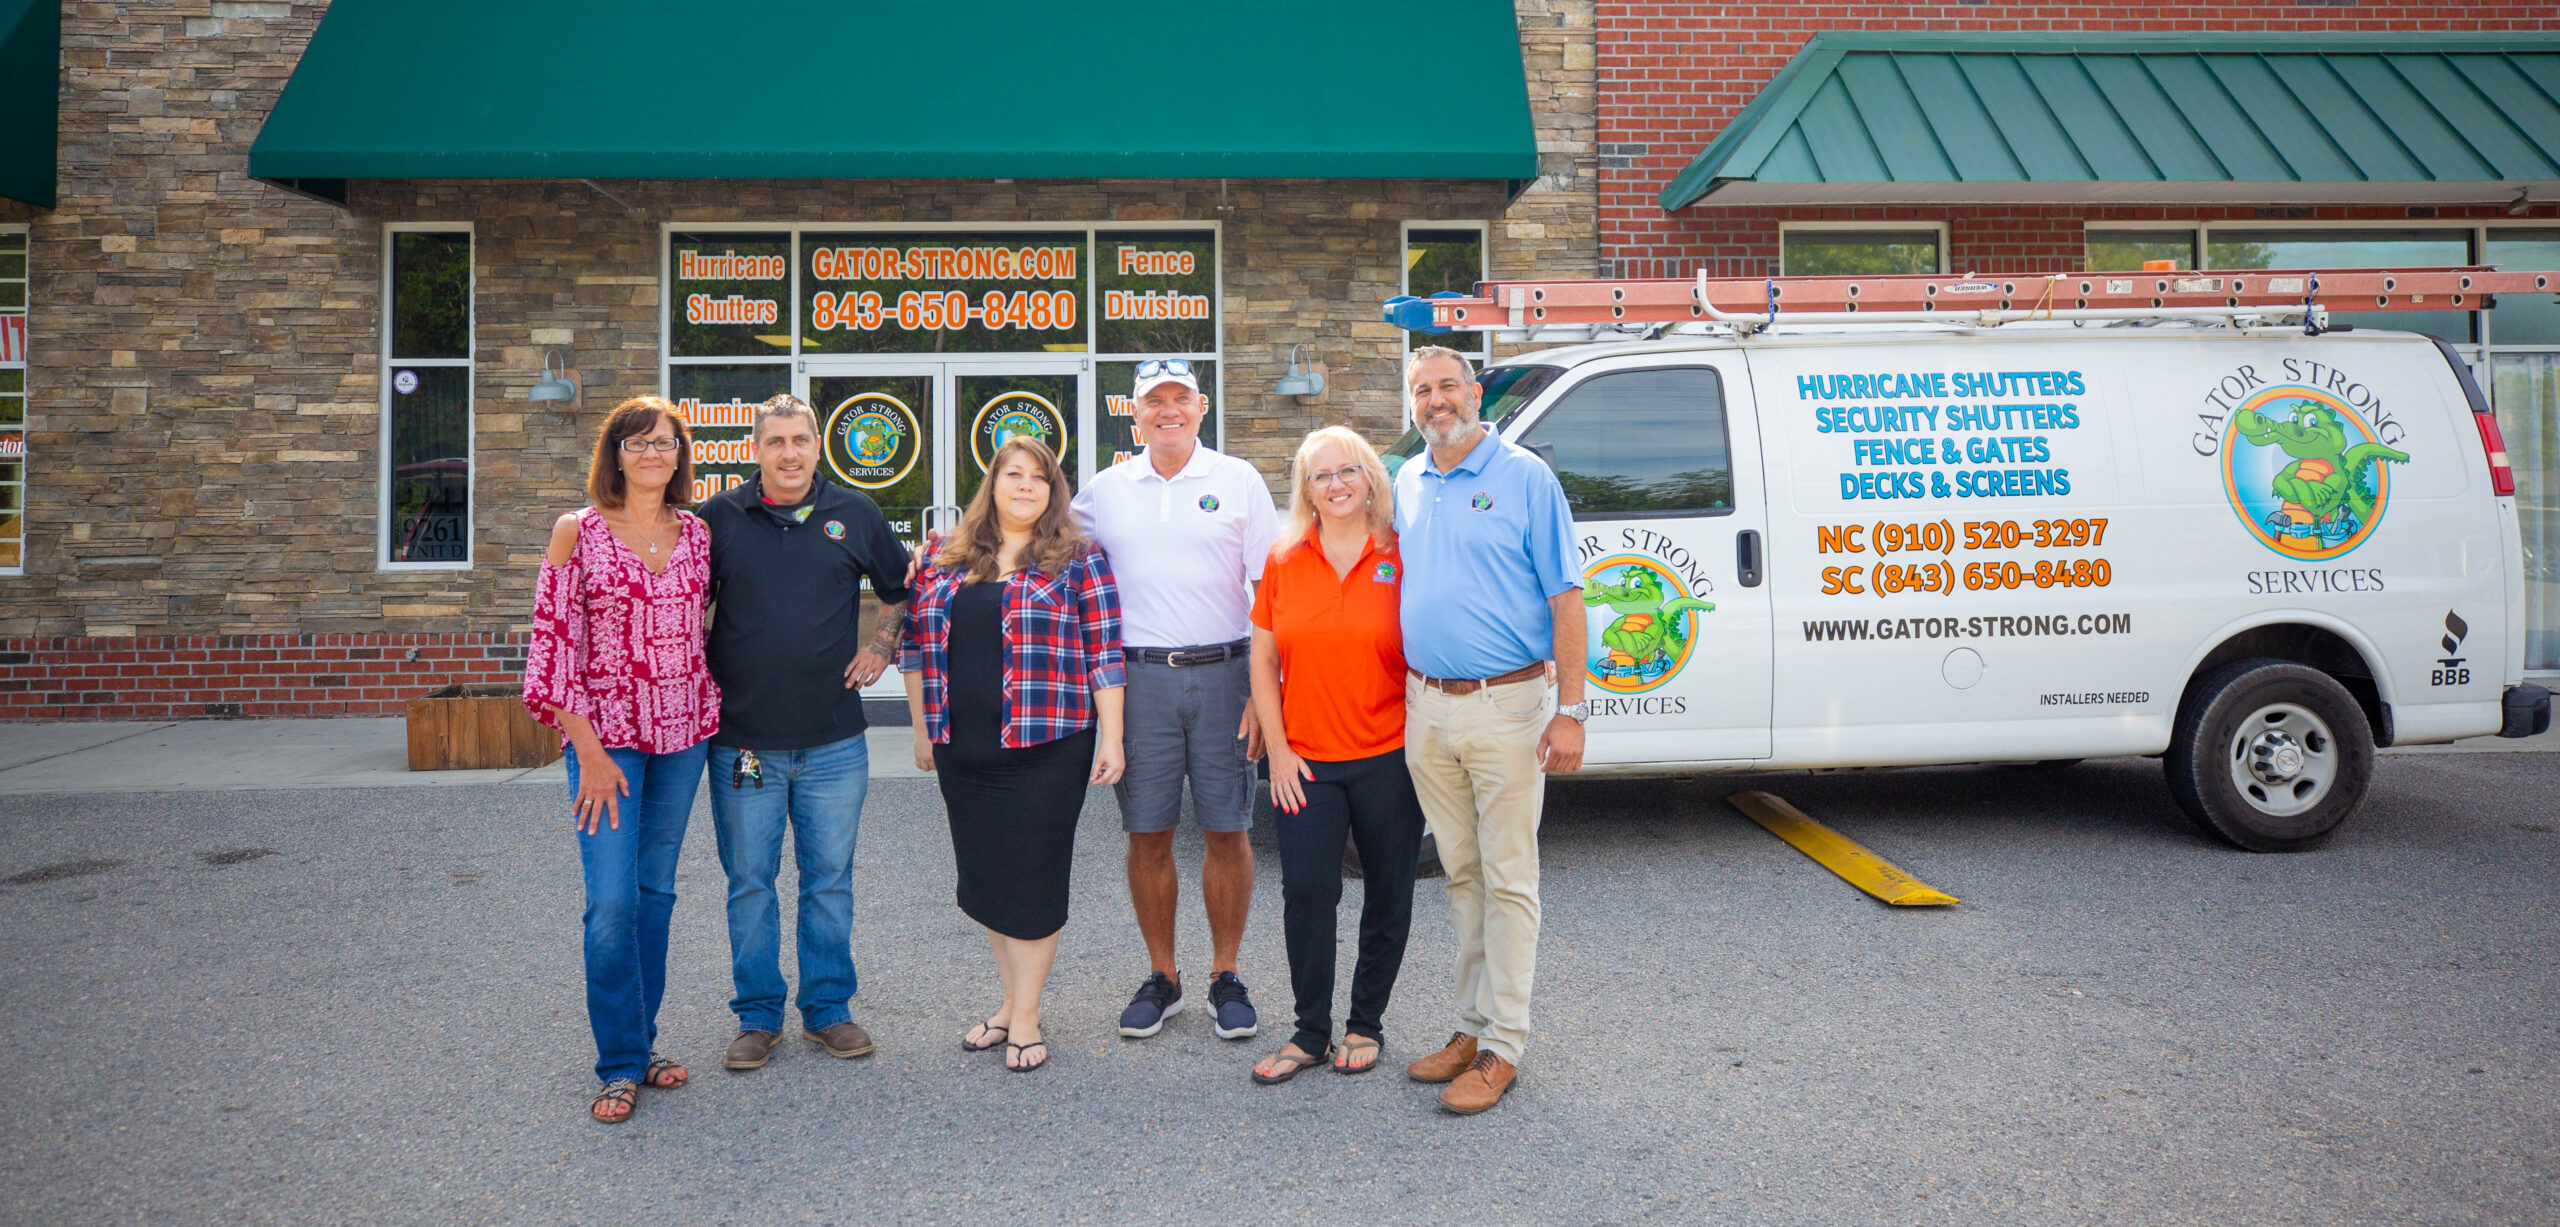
pixel 884 641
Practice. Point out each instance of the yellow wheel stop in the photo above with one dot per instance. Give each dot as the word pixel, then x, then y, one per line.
pixel 1837 853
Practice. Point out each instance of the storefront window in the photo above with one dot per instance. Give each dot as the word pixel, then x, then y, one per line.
pixel 904 338
pixel 1118 422
pixel 2414 248
pixel 731 295
pixel 719 407
pixel 2129 250
pixel 1859 253
pixel 427 399
pixel 1441 259
pixel 13 402
pixel 869 292
pixel 2524 365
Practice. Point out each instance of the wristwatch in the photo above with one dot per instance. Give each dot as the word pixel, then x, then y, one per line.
pixel 1579 713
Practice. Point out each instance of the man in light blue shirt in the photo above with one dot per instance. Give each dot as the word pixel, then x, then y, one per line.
pixel 1491 596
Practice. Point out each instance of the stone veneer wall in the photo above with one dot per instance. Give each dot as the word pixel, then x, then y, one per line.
pixel 204 401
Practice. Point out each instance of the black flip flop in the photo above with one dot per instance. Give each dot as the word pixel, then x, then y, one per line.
pixel 992 1031
pixel 1376 1045
pixel 1014 1051
pixel 1297 1066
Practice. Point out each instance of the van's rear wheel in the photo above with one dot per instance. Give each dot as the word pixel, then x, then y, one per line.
pixel 2270 755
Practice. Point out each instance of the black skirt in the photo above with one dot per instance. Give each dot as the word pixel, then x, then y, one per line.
pixel 1013 812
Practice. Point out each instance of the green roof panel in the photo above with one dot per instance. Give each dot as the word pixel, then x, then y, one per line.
pixel 675 89
pixel 2075 117
pixel 30 95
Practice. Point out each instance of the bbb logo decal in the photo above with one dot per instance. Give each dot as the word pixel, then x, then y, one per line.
pixel 2450 669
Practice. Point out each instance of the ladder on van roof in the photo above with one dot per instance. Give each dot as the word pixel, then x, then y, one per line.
pixel 1599 309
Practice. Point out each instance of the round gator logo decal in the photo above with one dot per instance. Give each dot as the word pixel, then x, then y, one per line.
pixel 2306 474
pixel 1645 613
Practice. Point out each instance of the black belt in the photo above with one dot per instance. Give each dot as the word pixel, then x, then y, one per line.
pixel 1184 658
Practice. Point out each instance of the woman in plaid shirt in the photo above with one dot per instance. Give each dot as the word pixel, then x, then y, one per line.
pixel 1014 680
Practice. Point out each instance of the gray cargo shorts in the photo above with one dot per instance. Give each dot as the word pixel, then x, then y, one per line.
pixel 1180 722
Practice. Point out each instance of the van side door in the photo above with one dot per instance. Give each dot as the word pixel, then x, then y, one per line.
pixel 1660 458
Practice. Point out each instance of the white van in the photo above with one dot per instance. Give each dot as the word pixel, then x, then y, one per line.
pixel 2257 554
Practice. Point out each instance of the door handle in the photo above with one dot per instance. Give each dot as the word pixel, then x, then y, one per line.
pixel 1746 557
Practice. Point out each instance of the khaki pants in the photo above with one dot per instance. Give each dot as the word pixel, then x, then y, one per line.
pixel 1474 760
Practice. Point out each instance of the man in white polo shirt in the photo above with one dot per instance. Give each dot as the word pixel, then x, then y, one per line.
pixel 1187 530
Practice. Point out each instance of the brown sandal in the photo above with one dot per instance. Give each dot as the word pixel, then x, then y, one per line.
pixel 1294 1065
pixel 621 1092
pixel 666 1075
pixel 1353 1046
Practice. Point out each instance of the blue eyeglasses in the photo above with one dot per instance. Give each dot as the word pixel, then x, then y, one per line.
pixel 1153 367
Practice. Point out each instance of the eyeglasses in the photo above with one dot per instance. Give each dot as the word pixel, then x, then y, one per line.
pixel 1347 473
pixel 1153 367
pixel 635 445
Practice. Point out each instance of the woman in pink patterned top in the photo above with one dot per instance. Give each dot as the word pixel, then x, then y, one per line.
pixel 616 665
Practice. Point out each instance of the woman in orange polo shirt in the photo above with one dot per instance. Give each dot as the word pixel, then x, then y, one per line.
pixel 1328 684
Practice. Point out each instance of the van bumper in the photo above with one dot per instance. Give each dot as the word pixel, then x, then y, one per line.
pixel 2528 711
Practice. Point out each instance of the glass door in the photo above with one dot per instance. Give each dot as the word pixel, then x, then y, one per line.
pixel 917 436
pixel 878 426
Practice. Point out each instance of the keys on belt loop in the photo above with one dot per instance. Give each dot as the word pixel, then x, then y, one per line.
pixel 748 767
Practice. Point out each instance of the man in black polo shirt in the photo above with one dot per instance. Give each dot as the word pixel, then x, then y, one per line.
pixel 788 556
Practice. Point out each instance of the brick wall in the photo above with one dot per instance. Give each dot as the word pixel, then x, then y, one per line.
pixel 204 401
pixel 1673 74
pixel 184 677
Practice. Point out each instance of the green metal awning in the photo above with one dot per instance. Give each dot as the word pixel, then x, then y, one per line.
pixel 30 98
pixel 2100 118
pixel 803 89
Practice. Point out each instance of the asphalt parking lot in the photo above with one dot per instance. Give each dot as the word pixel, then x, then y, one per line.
pixel 332 1005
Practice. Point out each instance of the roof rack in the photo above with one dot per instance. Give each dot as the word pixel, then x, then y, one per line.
pixel 1582 310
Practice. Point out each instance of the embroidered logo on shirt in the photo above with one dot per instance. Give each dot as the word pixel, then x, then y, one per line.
pixel 1208 502
pixel 1386 572
pixel 1481 502
pixel 801 516
pixel 835 530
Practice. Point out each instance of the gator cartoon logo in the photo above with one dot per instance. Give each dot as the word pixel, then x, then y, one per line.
pixel 2305 473
pixel 872 441
pixel 1016 415
pixel 1644 634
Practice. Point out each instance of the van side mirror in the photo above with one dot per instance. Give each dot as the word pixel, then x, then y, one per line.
pixel 1546 452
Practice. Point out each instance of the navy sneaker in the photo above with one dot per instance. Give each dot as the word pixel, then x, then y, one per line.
pixel 1158 999
pixel 1234 1010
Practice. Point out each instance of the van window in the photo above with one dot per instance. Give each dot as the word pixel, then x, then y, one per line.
pixel 1641 443
pixel 1506 389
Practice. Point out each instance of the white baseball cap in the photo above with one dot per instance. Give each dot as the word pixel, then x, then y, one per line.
pixel 1155 371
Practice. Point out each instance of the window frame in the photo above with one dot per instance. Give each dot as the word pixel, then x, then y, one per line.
pixel 1786 228
pixel 26 400
pixel 1554 397
pixel 1483 352
pixel 1094 231
pixel 470 403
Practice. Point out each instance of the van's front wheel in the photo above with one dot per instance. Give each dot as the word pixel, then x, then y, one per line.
pixel 2270 755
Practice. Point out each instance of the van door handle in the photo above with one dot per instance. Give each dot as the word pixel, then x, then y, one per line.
pixel 1746 557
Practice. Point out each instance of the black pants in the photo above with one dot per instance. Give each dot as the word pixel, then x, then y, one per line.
pixel 1371 801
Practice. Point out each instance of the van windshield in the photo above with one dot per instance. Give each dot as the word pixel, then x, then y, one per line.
pixel 1506 389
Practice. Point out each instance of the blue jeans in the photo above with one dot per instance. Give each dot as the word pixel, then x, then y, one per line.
pixel 818 792
pixel 631 891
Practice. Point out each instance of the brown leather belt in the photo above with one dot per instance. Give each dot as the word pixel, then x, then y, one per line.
pixel 1470 685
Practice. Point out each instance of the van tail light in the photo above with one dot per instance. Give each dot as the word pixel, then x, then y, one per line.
pixel 2502 476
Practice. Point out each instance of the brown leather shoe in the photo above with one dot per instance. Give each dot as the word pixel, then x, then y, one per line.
pixel 1480 1087
pixel 845 1039
pixel 750 1050
pixel 1447 1063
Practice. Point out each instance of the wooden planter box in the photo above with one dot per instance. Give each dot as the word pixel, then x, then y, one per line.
pixel 457 728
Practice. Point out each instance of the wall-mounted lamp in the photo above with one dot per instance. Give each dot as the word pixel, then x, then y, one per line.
pixel 558 383
pixel 1305 383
